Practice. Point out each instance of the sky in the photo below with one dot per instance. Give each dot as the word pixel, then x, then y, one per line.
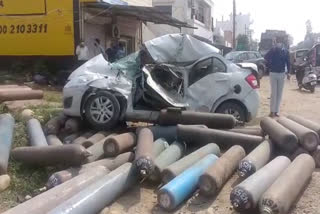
pixel 289 15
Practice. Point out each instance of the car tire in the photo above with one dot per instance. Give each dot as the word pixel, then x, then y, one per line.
pixel 234 109
pixel 102 117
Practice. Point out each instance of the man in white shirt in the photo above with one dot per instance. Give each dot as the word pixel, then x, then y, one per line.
pixel 82 53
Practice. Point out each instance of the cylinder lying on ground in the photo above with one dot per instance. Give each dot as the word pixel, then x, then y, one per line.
pixel 211 120
pixel 118 144
pixel 173 153
pixel 20 95
pixel 257 131
pixel 178 167
pixel 316 156
pixel 219 173
pixel 280 135
pixel 94 139
pixel 159 146
pixel 69 139
pixel 4 182
pixel 73 125
pixel 6 138
pixel 80 140
pixel 144 159
pixel 54 124
pixel 222 138
pixel 167 132
pixel 254 161
pixel 181 187
pixel 306 123
pixel 69 155
pixel 50 199
pixel 285 190
pixel 99 194
pixel 96 150
pixel 308 139
pixel 35 133
pixel 298 152
pixel 110 163
pixel 246 195
pixel 53 140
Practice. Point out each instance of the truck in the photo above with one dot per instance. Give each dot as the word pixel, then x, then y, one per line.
pixel 34 29
pixel 269 37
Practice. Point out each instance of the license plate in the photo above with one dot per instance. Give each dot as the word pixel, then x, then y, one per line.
pixel 313 83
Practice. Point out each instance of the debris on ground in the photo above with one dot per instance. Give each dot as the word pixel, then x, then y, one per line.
pixel 184 158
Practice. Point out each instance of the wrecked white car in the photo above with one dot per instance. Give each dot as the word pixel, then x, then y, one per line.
pixel 175 70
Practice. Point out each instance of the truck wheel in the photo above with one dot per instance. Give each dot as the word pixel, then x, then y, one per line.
pixel 102 110
pixel 234 109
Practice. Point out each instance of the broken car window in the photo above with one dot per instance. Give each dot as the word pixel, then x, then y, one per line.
pixel 200 70
pixel 219 66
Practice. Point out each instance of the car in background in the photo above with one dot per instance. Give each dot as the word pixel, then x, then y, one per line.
pixel 172 71
pixel 249 57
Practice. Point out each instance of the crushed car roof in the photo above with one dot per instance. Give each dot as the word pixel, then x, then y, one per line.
pixel 178 48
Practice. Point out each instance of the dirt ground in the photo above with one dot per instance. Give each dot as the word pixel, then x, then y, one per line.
pixel 144 200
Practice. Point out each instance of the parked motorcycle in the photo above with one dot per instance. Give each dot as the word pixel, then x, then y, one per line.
pixel 306 77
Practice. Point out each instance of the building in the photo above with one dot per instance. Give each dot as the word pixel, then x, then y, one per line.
pixel 243 26
pixel 119 20
pixel 197 13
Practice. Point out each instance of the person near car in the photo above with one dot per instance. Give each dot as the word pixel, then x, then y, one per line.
pixel 278 61
pixel 98 48
pixel 82 52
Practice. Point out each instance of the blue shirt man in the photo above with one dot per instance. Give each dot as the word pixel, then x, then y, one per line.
pixel 277 59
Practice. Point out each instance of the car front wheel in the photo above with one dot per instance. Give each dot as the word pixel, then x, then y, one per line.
pixel 234 109
pixel 102 110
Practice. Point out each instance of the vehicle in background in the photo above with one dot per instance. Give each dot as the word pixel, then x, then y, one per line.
pixel 268 39
pixel 306 76
pixel 175 70
pixel 313 57
pixel 248 57
pixel 297 58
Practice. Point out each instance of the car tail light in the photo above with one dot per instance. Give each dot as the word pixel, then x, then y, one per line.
pixel 252 81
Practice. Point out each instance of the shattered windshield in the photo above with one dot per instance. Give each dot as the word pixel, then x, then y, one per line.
pixel 129 65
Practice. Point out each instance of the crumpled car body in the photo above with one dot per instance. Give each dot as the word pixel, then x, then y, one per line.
pixel 181 72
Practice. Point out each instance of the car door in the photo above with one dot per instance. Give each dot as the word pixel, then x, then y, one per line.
pixel 208 81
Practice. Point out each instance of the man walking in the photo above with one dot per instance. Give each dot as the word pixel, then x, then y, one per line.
pixel 277 60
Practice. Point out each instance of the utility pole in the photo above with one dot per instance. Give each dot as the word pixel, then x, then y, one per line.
pixel 234 24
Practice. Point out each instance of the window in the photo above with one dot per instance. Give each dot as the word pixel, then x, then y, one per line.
pixel 200 70
pixel 252 56
pixel 165 9
pixel 243 56
pixel 199 14
pixel 258 55
pixel 205 68
pixel 219 66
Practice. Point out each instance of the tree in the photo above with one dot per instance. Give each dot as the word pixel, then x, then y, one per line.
pixel 243 43
pixel 309 27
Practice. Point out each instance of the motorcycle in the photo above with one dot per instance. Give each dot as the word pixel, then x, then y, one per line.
pixel 306 77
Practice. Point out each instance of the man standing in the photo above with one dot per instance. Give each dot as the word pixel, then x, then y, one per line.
pixel 277 60
pixel 82 52
pixel 99 49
